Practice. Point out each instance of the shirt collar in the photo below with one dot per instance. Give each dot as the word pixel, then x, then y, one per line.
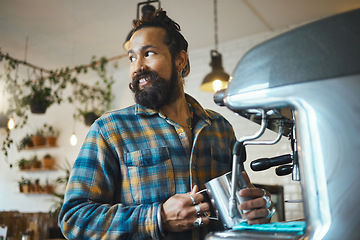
pixel 198 109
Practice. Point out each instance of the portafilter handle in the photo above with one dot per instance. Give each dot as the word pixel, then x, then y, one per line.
pixel 266 163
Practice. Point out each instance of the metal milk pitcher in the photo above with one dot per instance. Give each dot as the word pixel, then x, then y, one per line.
pixel 219 192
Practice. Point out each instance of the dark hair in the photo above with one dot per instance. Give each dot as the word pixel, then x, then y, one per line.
pixel 174 39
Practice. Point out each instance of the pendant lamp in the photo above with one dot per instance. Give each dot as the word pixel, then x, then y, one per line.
pixel 217 79
pixel 146 10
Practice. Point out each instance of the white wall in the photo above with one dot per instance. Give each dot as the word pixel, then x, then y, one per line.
pixel 61 116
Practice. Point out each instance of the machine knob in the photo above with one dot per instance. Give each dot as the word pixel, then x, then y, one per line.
pixel 284 170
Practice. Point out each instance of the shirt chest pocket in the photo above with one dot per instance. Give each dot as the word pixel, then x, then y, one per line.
pixel 150 174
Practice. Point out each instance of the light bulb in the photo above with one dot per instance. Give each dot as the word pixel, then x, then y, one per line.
pixel 11 124
pixel 73 139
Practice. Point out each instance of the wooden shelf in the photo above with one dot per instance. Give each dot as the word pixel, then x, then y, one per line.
pixel 38 170
pixel 40 147
pixel 36 193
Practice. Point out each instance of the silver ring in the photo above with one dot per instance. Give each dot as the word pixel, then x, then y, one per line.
pixel 264 192
pixel 270 213
pixel 198 222
pixel 192 199
pixel 197 207
pixel 267 200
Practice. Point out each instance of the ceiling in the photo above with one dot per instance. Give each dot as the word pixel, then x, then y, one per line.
pixel 69 32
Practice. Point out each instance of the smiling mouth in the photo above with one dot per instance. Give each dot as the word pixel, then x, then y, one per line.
pixel 143 81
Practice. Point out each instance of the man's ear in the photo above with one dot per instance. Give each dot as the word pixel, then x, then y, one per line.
pixel 181 60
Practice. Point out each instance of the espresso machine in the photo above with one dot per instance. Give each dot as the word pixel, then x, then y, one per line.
pixel 305 85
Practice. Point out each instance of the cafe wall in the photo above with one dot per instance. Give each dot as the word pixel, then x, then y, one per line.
pixel 61 117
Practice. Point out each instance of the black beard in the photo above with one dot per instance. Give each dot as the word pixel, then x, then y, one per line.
pixel 161 91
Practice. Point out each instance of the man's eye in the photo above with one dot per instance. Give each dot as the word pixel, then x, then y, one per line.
pixel 132 58
pixel 149 53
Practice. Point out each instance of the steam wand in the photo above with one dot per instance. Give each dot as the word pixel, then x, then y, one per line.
pixel 238 149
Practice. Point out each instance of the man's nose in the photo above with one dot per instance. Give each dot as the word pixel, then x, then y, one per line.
pixel 139 66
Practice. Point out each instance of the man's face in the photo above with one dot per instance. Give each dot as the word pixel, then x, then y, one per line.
pixel 152 71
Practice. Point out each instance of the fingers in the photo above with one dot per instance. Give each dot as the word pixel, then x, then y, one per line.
pixel 259 206
pixel 195 189
pixel 253 192
pixel 195 198
pixel 199 221
pixel 253 204
pixel 247 180
pixel 259 216
pixel 201 208
pixel 179 213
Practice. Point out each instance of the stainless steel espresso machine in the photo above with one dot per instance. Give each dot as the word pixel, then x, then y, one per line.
pixel 305 85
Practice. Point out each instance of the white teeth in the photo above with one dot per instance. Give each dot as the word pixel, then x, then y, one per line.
pixel 143 80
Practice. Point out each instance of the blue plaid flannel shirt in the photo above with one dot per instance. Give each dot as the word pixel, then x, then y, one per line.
pixel 134 159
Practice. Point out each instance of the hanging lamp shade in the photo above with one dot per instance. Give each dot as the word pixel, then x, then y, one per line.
pixel 146 10
pixel 217 79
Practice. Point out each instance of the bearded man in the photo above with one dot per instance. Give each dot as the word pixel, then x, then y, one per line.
pixel 139 170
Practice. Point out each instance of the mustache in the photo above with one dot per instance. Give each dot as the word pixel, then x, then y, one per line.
pixel 152 75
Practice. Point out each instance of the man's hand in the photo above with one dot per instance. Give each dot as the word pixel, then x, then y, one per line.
pixel 260 213
pixel 179 213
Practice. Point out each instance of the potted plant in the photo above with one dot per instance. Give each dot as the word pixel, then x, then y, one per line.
pixel 95 99
pixel 48 162
pixel 89 117
pixel 25 142
pixel 21 183
pixel 26 186
pixel 37 187
pixel 22 164
pixel 40 97
pixel 35 163
pixel 48 188
pixel 41 92
pixel 38 138
pixel 51 134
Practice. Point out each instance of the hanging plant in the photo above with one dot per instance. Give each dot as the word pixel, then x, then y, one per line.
pixel 39 92
pixel 40 97
pixel 93 100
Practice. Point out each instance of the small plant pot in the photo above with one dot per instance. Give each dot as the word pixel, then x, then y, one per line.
pixel 51 141
pixel 36 165
pixel 38 141
pixel 38 189
pixel 39 107
pixel 32 188
pixel 48 189
pixel 26 188
pixel 27 165
pixel 21 188
pixel 29 145
pixel 90 118
pixel 48 163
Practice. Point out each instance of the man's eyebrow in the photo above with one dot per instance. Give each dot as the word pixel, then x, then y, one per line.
pixel 143 48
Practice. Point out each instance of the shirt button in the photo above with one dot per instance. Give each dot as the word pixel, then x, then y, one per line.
pixel 194 167
pixel 182 134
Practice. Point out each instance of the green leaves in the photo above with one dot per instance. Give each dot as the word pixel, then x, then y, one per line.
pixel 48 87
